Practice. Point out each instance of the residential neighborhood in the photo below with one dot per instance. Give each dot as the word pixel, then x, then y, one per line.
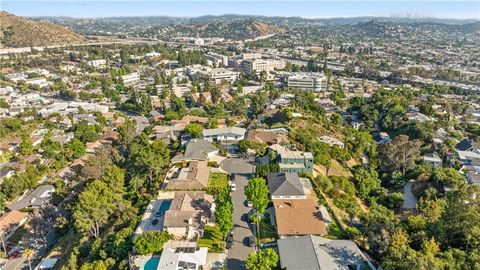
pixel 239 142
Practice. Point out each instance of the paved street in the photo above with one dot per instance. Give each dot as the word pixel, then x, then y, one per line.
pixel 409 200
pixel 243 169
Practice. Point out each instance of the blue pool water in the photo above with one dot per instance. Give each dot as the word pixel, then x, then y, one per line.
pixel 152 263
pixel 165 205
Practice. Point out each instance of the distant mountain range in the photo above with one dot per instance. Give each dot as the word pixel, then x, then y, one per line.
pixel 236 26
pixel 167 20
pixel 21 32
pixel 43 31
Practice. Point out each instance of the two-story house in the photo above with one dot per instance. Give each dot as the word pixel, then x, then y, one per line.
pixel 293 161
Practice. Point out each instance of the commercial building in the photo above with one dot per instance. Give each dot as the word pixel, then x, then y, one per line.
pixel 306 82
pixel 215 75
pixel 259 65
pixel 217 59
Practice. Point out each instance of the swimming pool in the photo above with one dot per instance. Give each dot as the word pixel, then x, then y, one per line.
pixel 165 205
pixel 152 263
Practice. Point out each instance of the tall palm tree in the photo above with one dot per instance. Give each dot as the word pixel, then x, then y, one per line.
pixel 28 253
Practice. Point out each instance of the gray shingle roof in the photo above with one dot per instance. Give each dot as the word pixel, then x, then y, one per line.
pixel 284 184
pixel 315 252
pixel 197 149
pixel 36 198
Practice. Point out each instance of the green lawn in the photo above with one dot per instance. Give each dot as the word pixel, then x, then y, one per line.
pixel 217 182
pixel 268 232
pixel 212 239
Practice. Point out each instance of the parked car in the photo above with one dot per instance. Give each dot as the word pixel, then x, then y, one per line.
pixel 229 241
pixel 232 177
pixel 155 222
pixel 250 241
pixel 233 187
pixel 14 254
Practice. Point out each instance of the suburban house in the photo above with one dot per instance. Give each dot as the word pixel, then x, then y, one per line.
pixel 167 133
pixel 433 159
pixel 298 217
pixel 203 97
pixel 284 186
pixel 318 253
pixel 266 136
pixel 331 141
pixel 467 157
pixel 473 175
pixel 197 149
pixel 187 119
pixel 468 145
pixel 36 199
pixel 188 214
pixel 193 177
pixel 225 135
pixel 292 160
pixel 192 258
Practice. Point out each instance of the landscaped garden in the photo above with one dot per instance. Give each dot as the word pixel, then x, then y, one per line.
pixel 212 239
pixel 217 182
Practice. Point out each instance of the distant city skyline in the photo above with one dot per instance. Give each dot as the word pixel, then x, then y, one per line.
pixel 306 9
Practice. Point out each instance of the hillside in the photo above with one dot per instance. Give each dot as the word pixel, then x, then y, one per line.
pixel 20 32
pixel 236 29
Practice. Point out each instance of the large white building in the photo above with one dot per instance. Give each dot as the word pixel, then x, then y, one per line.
pixel 226 135
pixel 216 75
pixel 217 59
pixel 65 108
pixel 97 63
pixel 130 78
pixel 259 65
pixel 306 82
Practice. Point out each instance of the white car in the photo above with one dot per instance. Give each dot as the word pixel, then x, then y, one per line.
pixel 233 187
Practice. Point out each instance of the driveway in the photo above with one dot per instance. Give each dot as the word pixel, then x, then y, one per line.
pixel 243 168
pixel 409 200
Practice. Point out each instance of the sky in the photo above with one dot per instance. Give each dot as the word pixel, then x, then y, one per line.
pixel 308 9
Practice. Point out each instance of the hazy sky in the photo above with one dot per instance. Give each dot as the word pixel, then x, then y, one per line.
pixel 314 9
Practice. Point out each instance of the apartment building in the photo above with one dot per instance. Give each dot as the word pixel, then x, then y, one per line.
pixel 131 78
